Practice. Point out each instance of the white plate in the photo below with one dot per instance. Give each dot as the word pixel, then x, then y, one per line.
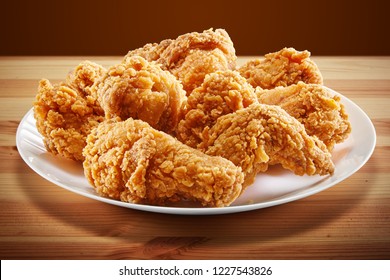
pixel 276 186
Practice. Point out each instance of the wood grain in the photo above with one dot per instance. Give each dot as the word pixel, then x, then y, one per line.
pixel 39 220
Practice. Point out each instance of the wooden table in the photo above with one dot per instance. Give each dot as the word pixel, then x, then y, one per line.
pixel 39 220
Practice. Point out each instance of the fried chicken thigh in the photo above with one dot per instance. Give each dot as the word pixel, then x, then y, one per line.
pixel 282 68
pixel 221 93
pixel 321 112
pixel 262 135
pixel 131 161
pixel 140 89
pixel 65 113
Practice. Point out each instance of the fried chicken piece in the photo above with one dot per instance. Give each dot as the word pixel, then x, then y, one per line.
pixel 221 93
pixel 140 89
pixel 191 56
pixel 262 135
pixel 132 162
pixel 174 54
pixel 282 68
pixel 151 51
pixel 65 113
pixel 197 64
pixel 320 111
pixel 83 79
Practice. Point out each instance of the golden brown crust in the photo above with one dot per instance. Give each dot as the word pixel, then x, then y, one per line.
pixel 260 135
pixel 191 56
pixel 282 68
pixel 221 93
pixel 133 162
pixel 140 89
pixel 178 50
pixel 151 51
pixel 194 55
pixel 321 112
pixel 197 64
pixel 65 113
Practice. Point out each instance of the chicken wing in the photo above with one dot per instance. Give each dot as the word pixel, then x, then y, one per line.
pixel 221 93
pixel 282 68
pixel 262 135
pixel 321 112
pixel 131 161
pixel 142 90
pixel 65 113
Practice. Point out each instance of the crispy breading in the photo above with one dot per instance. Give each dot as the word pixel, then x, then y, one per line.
pixel 140 89
pixel 221 93
pixel 282 68
pixel 131 161
pixel 209 39
pixel 151 51
pixel 197 64
pixel 65 113
pixel 321 112
pixel 262 135
pixel 191 56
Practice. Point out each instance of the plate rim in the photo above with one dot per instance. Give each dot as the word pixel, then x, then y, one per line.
pixel 209 210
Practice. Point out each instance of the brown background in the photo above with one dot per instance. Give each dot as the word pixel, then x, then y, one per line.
pixel 77 27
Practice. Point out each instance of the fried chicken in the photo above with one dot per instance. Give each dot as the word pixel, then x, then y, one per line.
pixel 83 78
pixel 262 135
pixel 231 123
pixel 197 64
pixel 191 56
pixel 217 123
pixel 282 68
pixel 151 51
pixel 221 93
pixel 131 161
pixel 140 89
pixel 320 111
pixel 173 55
pixel 65 113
